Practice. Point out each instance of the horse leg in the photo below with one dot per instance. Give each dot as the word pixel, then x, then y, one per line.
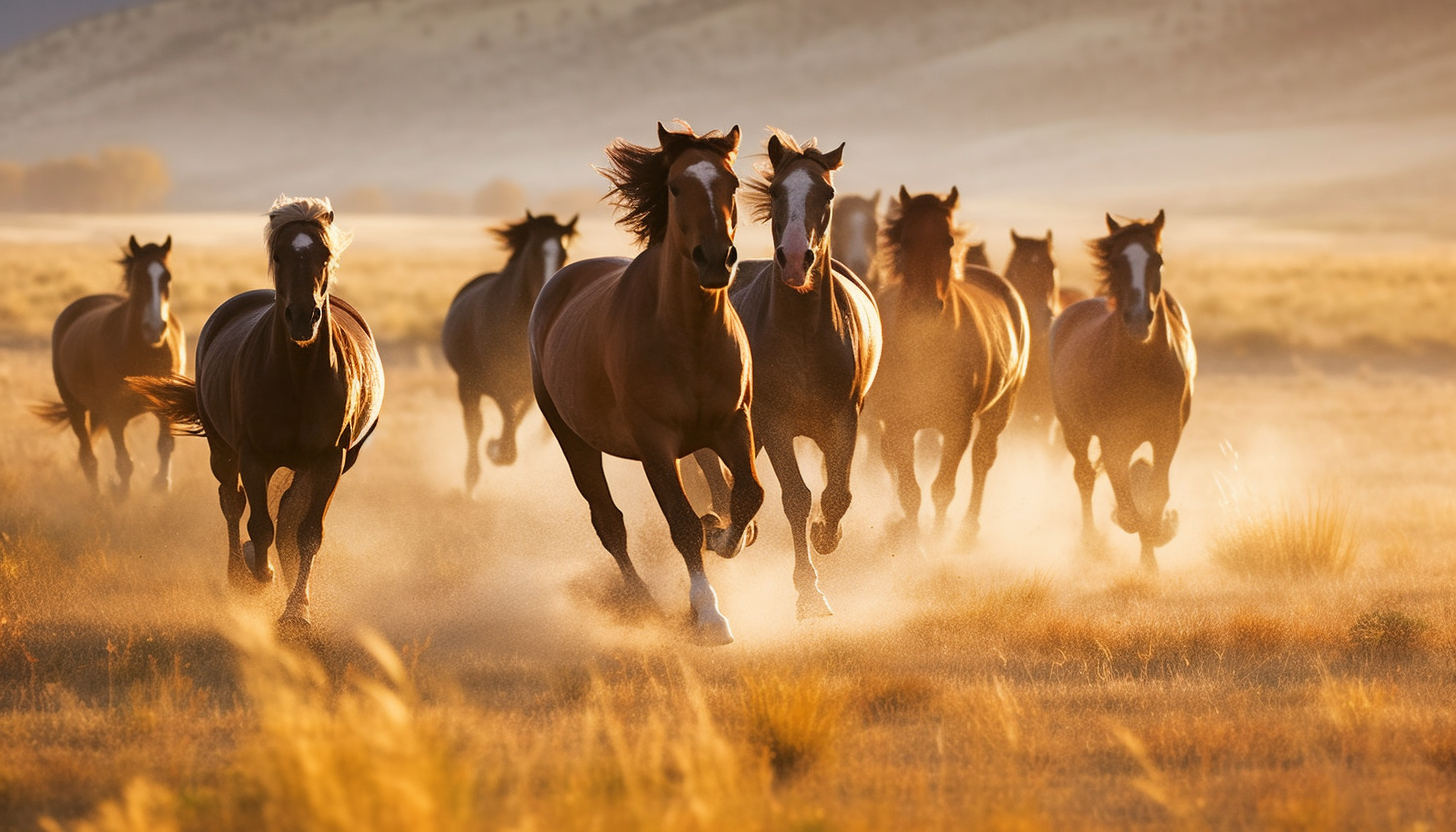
pixel 798 502
pixel 897 447
pixel 165 443
pixel 474 426
pixel 837 444
pixel 87 454
pixel 713 473
pixel 983 456
pixel 292 509
pixel 954 441
pixel 233 500
pixel 502 450
pixel 255 477
pixel 585 463
pixel 1160 526
pixel 1085 475
pixel 687 535
pixel 735 446
pixel 316 485
pixel 124 465
pixel 1116 460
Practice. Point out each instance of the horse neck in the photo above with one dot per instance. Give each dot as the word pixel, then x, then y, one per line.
pixel 680 297
pixel 519 273
pixel 305 361
pixel 811 307
pixel 1040 306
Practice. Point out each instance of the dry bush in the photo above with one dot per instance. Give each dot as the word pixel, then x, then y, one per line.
pixel 1387 634
pixel 1289 541
pixel 793 716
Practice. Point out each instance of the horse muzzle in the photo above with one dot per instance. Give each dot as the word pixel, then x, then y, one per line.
pixel 154 332
pixel 715 270
pixel 1139 327
pixel 302 320
pixel 794 269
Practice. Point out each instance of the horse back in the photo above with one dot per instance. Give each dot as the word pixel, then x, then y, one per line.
pixel 998 317
pixel 458 335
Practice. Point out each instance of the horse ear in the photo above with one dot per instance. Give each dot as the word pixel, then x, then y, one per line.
pixel 1158 222
pixel 904 196
pixel 775 151
pixel 1015 238
pixel 953 199
pixel 328 217
pixel 734 135
pixel 167 246
pixel 1112 226
pixel 528 215
pixel 875 200
pixel 834 158
pixel 571 226
pixel 135 249
pixel 1049 236
pixel 663 136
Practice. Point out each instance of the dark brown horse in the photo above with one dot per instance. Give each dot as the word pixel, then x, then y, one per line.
pixel 815 335
pixel 1122 371
pixel 98 341
pixel 1032 272
pixel 286 378
pixel 955 354
pixel 645 359
pixel 975 255
pixel 855 230
pixel 484 335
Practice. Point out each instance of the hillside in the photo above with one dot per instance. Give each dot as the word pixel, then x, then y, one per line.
pixel 1331 116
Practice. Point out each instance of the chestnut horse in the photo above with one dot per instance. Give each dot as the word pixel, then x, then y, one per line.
pixel 1032 272
pixel 815 336
pixel 955 354
pixel 286 378
pixel 484 335
pixel 1122 368
pixel 975 255
pixel 645 359
pixel 855 230
pixel 97 342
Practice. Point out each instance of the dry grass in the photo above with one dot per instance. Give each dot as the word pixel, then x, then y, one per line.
pixel 1290 541
pixel 1013 687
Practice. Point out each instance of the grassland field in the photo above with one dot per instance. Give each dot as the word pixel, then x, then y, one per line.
pixel 1291 667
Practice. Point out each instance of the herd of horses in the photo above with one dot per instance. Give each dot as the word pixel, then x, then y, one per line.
pixel 855 327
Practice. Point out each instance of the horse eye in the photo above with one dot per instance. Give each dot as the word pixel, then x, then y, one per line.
pixel 672 189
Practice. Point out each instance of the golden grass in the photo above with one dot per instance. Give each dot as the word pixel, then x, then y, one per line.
pixel 1290 541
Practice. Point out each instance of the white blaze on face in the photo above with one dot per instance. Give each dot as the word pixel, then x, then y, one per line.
pixel 796 190
pixel 551 254
pixel 156 313
pixel 1137 261
pixel 302 241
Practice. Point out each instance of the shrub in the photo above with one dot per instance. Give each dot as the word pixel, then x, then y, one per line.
pixel 1290 541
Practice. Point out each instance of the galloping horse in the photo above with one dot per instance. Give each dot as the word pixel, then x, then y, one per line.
pixel 286 378
pixel 98 341
pixel 815 335
pixel 1122 371
pixel 645 359
pixel 855 230
pixel 1032 272
pixel 484 335
pixel 955 354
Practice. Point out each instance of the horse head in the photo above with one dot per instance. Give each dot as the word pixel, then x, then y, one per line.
pixel 540 243
pixel 797 198
pixel 855 232
pixel 303 247
pixel 1031 269
pixel 149 288
pixel 920 234
pixel 702 212
pixel 1130 258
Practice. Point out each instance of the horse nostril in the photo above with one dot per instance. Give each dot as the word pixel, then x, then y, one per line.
pixel 317 314
pixel 808 259
pixel 780 258
pixel 732 256
pixel 699 258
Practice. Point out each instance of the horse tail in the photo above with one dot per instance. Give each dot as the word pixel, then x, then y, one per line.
pixel 174 398
pixel 52 413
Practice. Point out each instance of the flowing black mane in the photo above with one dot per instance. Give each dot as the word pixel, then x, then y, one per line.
pixel 639 179
pixel 898 218
pixel 514 236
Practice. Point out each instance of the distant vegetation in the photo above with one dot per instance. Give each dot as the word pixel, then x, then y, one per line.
pixel 498 198
pixel 118 179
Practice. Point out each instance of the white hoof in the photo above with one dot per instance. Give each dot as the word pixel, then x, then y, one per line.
pixel 711 627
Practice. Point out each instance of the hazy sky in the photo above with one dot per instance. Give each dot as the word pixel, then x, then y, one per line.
pixel 24 19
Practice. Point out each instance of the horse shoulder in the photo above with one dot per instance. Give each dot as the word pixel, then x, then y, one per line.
pixel 1181 335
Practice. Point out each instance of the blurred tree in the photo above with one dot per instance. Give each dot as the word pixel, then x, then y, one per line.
pixel 500 198
pixel 366 200
pixel 72 184
pixel 437 202
pixel 133 179
pixel 122 179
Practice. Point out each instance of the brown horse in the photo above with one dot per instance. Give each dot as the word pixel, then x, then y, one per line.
pixel 955 354
pixel 815 336
pixel 1032 272
pixel 975 255
pixel 645 359
pixel 1122 370
pixel 286 378
pixel 855 230
pixel 484 335
pixel 98 341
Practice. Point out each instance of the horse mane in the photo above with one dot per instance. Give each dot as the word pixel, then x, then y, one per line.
pixel 756 190
pixel 639 180
pixel 128 259
pixel 514 236
pixel 1102 249
pixel 314 211
pixel 893 229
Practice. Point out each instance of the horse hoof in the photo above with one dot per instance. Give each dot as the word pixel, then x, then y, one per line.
pixel 120 491
pixel 262 573
pixel 162 485
pixel 1126 520
pixel 716 537
pixel 813 605
pixel 294 626
pixel 1168 530
pixel 970 533
pixel 825 538
pixel 500 453
pixel 712 631
pixel 750 534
